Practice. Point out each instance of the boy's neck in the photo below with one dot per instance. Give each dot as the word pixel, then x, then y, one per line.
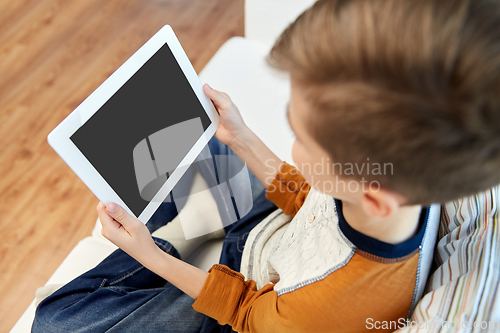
pixel 395 229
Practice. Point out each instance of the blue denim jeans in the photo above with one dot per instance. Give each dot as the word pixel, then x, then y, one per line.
pixel 121 295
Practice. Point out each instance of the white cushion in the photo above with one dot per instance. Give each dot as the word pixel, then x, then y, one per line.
pixel 266 19
pixel 260 92
pixel 427 252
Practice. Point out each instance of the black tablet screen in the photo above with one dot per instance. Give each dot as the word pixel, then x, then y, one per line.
pixel 156 97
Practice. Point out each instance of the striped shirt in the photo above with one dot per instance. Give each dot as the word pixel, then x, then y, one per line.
pixel 462 294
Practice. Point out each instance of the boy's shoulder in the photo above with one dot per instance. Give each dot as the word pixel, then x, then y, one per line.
pixel 319 242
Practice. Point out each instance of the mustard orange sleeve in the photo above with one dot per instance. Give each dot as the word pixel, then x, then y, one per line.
pixel 228 298
pixel 288 189
pixel 347 300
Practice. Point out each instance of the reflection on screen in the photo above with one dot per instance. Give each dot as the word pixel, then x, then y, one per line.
pixel 157 156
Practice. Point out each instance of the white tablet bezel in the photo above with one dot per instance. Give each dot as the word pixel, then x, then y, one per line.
pixel 60 140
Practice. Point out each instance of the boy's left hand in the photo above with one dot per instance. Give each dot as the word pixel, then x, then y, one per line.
pixel 125 231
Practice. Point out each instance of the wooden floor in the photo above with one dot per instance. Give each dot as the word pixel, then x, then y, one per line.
pixel 53 54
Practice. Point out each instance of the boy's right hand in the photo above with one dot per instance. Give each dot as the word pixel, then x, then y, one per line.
pixel 233 132
pixel 231 124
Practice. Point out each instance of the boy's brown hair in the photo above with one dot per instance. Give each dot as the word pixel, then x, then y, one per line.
pixel 411 83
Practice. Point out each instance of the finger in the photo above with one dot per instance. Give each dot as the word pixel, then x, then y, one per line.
pixel 107 221
pixel 110 228
pixel 220 99
pixel 120 215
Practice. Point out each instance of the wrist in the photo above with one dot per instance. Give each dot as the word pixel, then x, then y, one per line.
pixel 242 142
pixel 151 256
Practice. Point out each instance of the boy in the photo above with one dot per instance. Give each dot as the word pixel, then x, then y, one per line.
pixel 411 85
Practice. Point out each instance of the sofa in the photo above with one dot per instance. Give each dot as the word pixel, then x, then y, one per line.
pixel 466 271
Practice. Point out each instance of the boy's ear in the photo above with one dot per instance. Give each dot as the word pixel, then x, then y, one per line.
pixel 380 203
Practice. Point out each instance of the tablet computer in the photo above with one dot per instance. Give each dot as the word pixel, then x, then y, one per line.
pixel 134 137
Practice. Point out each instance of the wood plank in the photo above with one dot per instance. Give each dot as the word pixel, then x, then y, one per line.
pixel 53 54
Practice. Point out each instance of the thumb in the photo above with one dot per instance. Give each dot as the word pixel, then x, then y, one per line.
pixel 119 214
pixel 220 99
